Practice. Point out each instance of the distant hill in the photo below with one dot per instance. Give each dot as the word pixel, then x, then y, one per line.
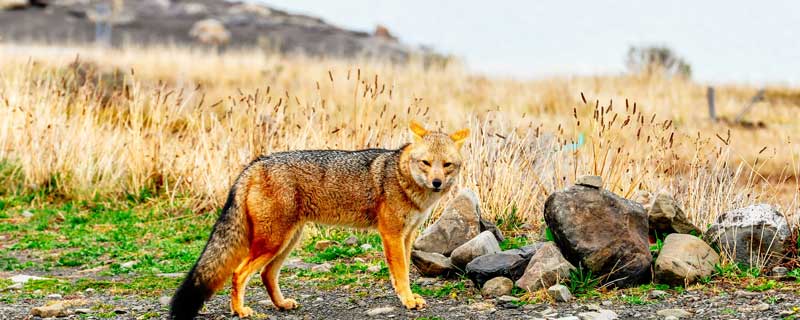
pixel 198 22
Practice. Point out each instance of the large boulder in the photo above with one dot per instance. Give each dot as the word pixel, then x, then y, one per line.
pixel 684 259
pixel 459 223
pixel 665 217
pixel 509 264
pixel 13 4
pixel 431 264
pixel 601 231
pixel 485 243
pixel 546 268
pixel 753 236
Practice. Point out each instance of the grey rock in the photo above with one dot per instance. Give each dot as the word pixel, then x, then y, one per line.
pixel 366 247
pixel 677 313
pixel 684 259
pixel 510 264
pixel 164 301
pixel 431 264
pixel 598 315
pixel 351 241
pixel 27 214
pixel 546 268
pixel 54 310
pixel 323 244
pixel 487 225
pixel 590 181
pixel 657 294
pixel 485 243
pixel 482 306
pixel 374 269
pixel 297 263
pixel 779 272
pixel 601 231
pixel 128 265
pixel 54 296
pixel 507 299
pixel 560 293
pixel 459 223
pixel 380 311
pixel 324 267
pixel 665 216
pixel 497 287
pixel 753 236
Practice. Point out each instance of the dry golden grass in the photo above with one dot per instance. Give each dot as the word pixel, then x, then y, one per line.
pixel 184 122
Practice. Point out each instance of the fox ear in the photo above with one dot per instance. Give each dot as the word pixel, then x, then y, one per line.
pixel 418 130
pixel 459 136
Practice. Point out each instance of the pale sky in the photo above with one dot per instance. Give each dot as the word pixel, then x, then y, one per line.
pixel 734 41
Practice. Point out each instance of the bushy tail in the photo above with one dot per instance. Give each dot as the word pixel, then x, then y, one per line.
pixel 224 250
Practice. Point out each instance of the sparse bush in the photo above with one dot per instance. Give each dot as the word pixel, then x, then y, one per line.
pixel 657 59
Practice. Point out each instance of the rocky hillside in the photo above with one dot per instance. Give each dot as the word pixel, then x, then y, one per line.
pixel 196 22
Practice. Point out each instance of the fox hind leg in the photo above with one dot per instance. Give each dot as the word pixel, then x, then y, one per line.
pixel 270 274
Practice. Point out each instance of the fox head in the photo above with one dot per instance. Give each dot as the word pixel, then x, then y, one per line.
pixel 434 157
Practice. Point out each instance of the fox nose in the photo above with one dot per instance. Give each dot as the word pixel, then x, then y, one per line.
pixel 437 183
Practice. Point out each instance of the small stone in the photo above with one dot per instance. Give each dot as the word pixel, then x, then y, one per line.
pixel 23 278
pixel 374 269
pixel 482 306
pixel 27 214
pixel 560 293
pixel 324 267
pixel 265 302
pixel 598 315
pixel 54 296
pixel 351 241
pixel 607 303
pixel 323 244
pixel 779 272
pixel 677 313
pixel 366 247
pixel 431 264
pixel 164 300
pixel 507 299
pixel 172 275
pixel 359 260
pixel 485 243
pixel 83 311
pixel 590 181
pixel 670 318
pixel 425 281
pixel 657 294
pixel 746 294
pixel 297 263
pixel 53 310
pixel 319 299
pixel 89 290
pixel 15 286
pixel 379 311
pixel 760 307
pixel 128 265
pixel 497 287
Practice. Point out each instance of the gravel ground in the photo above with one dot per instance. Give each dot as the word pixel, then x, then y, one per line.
pixel 712 302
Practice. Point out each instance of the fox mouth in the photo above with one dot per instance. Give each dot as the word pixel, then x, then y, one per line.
pixel 437 189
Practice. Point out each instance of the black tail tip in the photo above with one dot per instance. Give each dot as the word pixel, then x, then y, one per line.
pixel 188 299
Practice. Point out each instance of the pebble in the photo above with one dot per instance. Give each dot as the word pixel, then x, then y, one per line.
pixel 482 306
pixel 164 300
pixel 379 311
pixel 607 303
pixel 366 247
pixel 324 267
pixel 779 272
pixel 171 275
pixel 53 310
pixel 54 296
pixel 128 265
pixel 24 278
pixel 89 290
pixel 657 294
pixel 560 293
pixel 747 294
pixel 323 244
pixel 598 315
pixel 374 269
pixel 506 299
pixel 27 214
pixel 425 281
pixel 351 241
pixel 678 313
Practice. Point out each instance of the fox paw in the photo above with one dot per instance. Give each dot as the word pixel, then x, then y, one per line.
pixel 414 301
pixel 244 312
pixel 287 304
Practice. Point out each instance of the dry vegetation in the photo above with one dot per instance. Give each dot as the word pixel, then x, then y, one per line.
pixel 83 122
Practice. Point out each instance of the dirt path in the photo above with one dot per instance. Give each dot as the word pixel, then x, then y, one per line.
pixel 356 301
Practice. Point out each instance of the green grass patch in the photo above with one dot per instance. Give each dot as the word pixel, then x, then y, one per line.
pixel 514 242
pixel 450 289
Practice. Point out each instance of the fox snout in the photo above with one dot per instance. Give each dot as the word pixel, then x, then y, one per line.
pixel 437 184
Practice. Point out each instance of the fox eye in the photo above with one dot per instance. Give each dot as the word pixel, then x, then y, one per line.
pixel 426 162
pixel 447 164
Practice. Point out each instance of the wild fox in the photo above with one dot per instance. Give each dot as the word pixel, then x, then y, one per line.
pixel 276 195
